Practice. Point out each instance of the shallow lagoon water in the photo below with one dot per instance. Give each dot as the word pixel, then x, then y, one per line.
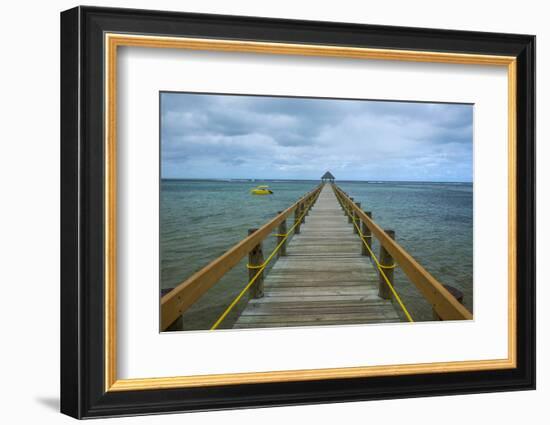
pixel 201 219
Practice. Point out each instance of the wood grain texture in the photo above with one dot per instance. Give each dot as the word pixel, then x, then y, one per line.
pixel 323 279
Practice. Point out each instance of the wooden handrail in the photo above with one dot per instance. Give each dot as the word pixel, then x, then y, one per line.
pixel 183 296
pixel 442 301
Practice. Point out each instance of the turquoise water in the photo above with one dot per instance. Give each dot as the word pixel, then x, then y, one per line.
pixel 200 220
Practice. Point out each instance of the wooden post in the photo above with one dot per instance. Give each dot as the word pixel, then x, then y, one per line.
pixel 350 215
pixel 255 259
pixel 386 260
pixel 282 231
pixel 308 204
pixel 357 221
pixel 367 235
pixel 457 293
pixel 177 325
pixel 297 218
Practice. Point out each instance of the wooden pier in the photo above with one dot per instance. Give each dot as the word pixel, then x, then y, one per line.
pixel 323 271
pixel 323 279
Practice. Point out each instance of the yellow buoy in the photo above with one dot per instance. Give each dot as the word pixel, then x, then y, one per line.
pixel 261 190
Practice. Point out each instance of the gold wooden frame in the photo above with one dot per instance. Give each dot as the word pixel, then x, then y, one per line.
pixel 113 41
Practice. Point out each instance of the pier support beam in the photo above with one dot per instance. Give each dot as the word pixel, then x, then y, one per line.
pixel 255 260
pixel 457 293
pixel 297 214
pixel 387 262
pixel 177 325
pixel 356 220
pixel 282 231
pixel 307 206
pixel 350 215
pixel 367 235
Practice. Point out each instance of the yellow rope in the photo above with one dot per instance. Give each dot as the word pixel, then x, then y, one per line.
pixel 380 267
pixel 279 234
pixel 260 269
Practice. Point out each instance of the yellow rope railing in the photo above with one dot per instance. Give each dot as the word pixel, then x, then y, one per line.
pixel 373 256
pixel 261 267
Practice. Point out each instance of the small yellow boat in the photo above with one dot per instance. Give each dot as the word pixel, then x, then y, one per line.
pixel 261 190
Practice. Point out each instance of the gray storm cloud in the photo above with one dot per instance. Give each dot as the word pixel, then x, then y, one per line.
pixel 225 136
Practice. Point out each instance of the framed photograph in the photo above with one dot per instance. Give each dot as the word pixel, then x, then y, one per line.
pixel 261 212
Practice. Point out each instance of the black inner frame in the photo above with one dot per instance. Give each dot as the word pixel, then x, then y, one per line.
pixel 82 212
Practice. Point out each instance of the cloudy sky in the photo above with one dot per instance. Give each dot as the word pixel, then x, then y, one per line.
pixel 221 136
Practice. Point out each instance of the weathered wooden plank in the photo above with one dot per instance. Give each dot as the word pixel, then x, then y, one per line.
pixel 323 298
pixel 285 324
pixel 320 265
pixel 310 291
pixel 259 303
pixel 355 276
pixel 314 284
pixel 292 318
pixel 267 310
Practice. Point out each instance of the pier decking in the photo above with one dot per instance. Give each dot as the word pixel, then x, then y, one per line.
pixel 323 279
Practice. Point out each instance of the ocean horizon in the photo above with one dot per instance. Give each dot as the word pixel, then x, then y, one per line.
pixel 253 179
